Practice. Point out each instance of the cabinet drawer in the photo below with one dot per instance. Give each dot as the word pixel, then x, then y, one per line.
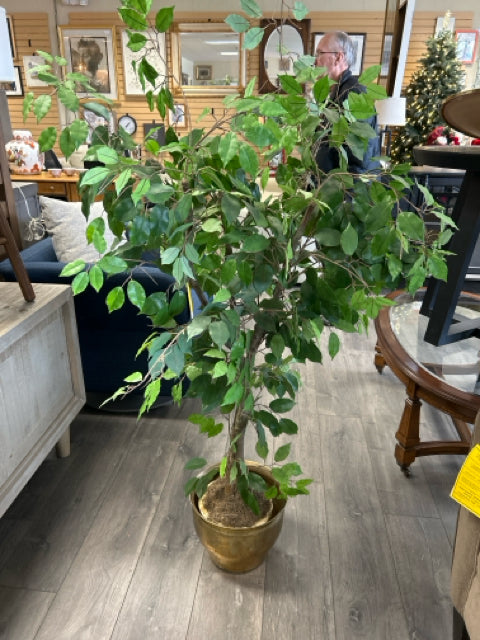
pixel 52 188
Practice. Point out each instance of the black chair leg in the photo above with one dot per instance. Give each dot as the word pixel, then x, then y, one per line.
pixel 459 631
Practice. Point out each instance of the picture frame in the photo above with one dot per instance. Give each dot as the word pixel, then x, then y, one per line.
pixel 177 116
pixel 203 72
pixel 92 52
pixel 31 77
pixel 11 36
pixel 439 24
pixel 14 88
pixel 358 39
pixel 132 85
pixel 467 43
pixel 387 53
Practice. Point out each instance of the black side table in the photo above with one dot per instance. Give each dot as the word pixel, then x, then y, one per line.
pixel 441 297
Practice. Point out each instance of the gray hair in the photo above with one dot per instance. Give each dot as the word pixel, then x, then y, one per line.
pixel 345 44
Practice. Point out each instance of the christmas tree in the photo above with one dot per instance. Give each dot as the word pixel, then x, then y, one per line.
pixel 439 75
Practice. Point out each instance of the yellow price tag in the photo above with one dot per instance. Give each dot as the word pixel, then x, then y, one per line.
pixel 466 490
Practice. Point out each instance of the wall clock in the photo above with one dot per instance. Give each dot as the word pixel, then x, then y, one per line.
pixel 128 123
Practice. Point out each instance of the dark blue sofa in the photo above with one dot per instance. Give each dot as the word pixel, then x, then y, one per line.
pixel 108 341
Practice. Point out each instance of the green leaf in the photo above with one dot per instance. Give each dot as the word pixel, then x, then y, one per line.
pixel 136 293
pixel 80 282
pixel 251 8
pixel 333 344
pixel 198 326
pixel 349 240
pixel 228 147
pixel 195 463
pixel 290 85
pixel 112 264
pixel 164 19
pixel 41 106
pixel 437 267
pixel 253 37
pixel 27 104
pixel 300 11
pixel 107 155
pixel 115 299
pixel 255 243
pixel 248 160
pixel 73 268
pixel 133 19
pixel 212 225
pixel 411 225
pixel 134 377
pixel 282 405
pixel 370 75
pixel 96 277
pixel 219 332
pixel 282 453
pixel 288 426
pixel 238 23
pixel 68 97
pixel 122 180
pixel 136 41
pixel 140 190
pixel 47 138
pixel 234 394
pixel 96 176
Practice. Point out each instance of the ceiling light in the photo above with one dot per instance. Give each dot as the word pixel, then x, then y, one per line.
pixel 222 42
pixel 229 53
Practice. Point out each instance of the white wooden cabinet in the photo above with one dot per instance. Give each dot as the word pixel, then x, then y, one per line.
pixel 41 381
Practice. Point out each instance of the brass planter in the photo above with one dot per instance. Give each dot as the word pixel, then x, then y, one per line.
pixel 240 549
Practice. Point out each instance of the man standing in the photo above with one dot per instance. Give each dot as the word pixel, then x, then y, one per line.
pixel 336 53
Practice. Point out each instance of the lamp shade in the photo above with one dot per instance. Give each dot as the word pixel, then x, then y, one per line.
pixel 7 72
pixel 391 112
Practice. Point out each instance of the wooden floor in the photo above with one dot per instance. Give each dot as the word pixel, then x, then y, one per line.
pixel 101 545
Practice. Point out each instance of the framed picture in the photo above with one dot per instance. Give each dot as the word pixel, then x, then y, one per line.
pixel 467 41
pixel 387 53
pixel 11 36
pixel 358 40
pixel 91 52
pixel 177 116
pixel 157 58
pixel 31 76
pixel 203 72
pixel 14 88
pixel 444 24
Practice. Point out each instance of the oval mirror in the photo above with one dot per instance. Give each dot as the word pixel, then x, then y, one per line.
pixel 282 45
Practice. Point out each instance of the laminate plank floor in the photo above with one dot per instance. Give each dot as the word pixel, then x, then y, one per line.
pixel 101 545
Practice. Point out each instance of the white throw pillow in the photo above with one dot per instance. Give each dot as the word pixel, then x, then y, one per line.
pixel 67 225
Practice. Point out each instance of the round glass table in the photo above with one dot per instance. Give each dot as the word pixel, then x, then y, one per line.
pixel 446 377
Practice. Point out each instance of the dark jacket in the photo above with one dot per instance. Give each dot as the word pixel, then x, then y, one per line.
pixel 327 157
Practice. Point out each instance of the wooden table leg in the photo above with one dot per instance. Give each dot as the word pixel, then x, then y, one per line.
pixel 408 434
pixel 62 447
pixel 379 360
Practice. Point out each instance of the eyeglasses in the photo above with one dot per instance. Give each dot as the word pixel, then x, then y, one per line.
pixel 321 53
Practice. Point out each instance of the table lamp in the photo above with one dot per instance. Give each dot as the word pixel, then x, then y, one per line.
pixel 390 113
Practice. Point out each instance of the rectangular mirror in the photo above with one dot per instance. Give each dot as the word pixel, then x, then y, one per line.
pixel 207 57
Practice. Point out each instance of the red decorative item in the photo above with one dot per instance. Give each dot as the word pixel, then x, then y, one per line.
pixel 476 142
pixel 443 136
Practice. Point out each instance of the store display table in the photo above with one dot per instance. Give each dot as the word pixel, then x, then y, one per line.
pixel 62 187
pixel 445 377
